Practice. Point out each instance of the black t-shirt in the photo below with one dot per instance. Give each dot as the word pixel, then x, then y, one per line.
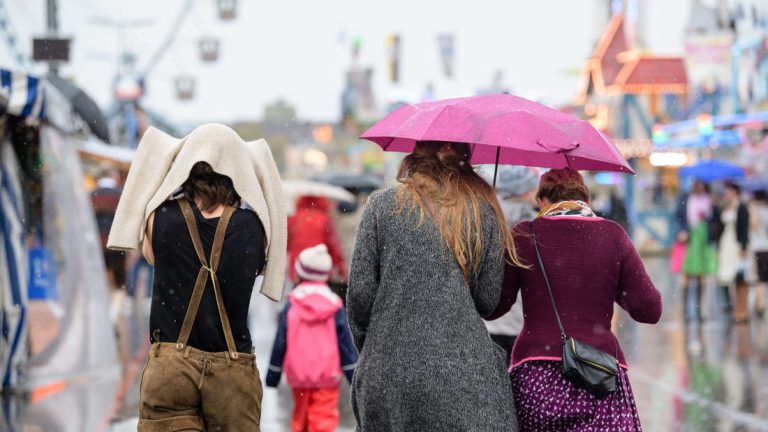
pixel 176 268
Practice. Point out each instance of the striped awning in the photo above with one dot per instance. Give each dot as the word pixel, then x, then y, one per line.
pixel 21 94
pixel 14 270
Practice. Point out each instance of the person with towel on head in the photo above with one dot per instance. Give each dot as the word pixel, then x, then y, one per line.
pixel 313 345
pixel 210 211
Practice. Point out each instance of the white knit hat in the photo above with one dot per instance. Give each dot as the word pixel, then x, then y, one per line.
pixel 314 264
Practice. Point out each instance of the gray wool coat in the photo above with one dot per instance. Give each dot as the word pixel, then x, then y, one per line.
pixel 426 361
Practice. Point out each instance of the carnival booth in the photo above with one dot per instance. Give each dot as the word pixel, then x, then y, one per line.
pixel 21 99
pixel 54 306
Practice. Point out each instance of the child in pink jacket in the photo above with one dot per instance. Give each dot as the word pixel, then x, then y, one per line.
pixel 313 345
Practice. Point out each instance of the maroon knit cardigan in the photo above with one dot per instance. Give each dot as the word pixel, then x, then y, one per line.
pixel 591 263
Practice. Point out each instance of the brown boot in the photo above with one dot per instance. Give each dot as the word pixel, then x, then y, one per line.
pixel 741 303
pixel 760 300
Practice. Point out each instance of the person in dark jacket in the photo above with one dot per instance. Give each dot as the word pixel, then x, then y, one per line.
pixel 733 246
pixel 618 211
pixel 591 264
pixel 207 251
pixel 758 242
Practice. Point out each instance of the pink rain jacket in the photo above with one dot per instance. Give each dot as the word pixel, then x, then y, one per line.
pixel 312 356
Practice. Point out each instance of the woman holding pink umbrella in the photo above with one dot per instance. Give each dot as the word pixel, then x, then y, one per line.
pixel 426 361
pixel 427 266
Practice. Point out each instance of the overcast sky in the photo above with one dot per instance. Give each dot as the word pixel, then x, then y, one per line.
pixel 299 49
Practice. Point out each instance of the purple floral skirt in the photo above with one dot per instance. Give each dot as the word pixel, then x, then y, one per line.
pixel 546 402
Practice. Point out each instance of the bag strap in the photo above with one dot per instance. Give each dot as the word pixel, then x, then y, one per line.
pixel 433 213
pixel 546 279
pixel 551 297
pixel 206 270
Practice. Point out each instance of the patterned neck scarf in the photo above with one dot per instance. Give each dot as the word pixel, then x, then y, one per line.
pixel 567 208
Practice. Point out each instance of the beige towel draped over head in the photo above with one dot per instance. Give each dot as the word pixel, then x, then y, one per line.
pixel 161 165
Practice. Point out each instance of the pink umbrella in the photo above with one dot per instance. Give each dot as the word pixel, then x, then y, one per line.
pixel 504 129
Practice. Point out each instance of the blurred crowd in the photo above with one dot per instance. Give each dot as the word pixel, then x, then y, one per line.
pixel 722 240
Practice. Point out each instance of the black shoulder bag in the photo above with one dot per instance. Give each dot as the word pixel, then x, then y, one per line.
pixel 584 365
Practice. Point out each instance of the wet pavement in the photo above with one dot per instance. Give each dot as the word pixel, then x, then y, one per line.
pixel 697 376
pixel 687 376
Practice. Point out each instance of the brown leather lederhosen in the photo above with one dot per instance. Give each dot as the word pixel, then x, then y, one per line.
pixel 186 388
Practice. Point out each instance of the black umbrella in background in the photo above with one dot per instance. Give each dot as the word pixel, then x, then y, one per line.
pixel 354 183
pixel 84 106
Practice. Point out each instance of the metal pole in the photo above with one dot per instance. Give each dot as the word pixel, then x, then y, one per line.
pixel 496 170
pixel 52 18
pixel 169 38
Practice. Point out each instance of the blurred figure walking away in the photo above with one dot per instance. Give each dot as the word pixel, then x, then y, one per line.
pixel 313 345
pixel 618 211
pixel 695 216
pixel 105 199
pixel 312 225
pixel 427 266
pixel 733 247
pixel 591 264
pixel 516 189
pixel 758 239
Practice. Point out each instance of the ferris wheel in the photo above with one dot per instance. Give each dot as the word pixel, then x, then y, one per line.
pixel 128 117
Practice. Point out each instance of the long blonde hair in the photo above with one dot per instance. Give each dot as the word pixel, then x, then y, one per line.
pixel 449 180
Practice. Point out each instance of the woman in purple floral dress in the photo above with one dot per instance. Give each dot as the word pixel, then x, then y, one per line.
pixel 591 264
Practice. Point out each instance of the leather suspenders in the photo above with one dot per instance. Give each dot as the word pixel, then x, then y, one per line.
pixel 207 269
